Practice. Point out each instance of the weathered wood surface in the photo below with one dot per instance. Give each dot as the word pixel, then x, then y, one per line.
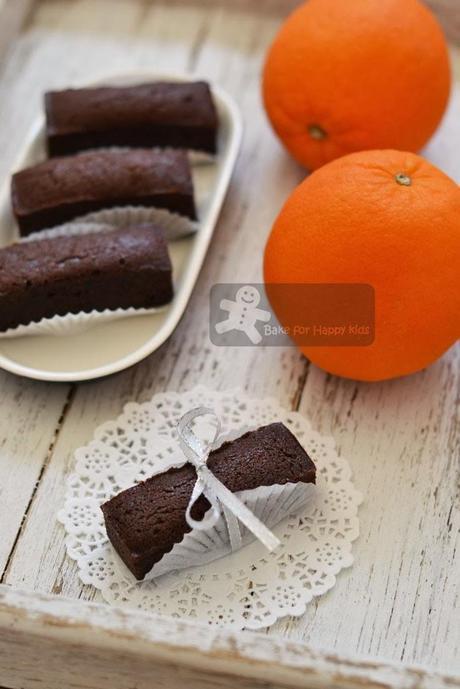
pixel 400 600
pixel 53 643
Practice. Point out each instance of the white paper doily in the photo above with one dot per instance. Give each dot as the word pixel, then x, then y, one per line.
pixel 248 589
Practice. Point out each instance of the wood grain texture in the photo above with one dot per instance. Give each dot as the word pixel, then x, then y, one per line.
pixel 51 642
pixel 400 599
pixel 29 419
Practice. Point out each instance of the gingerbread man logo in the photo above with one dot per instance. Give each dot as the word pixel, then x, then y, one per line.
pixel 243 314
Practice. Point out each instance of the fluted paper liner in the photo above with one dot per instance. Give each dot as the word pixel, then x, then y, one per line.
pixel 174 226
pixel 271 504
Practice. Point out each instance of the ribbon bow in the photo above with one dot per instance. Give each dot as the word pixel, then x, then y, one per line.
pixel 218 495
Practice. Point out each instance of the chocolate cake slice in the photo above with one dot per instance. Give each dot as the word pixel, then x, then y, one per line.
pixel 176 114
pixel 62 189
pixel 72 274
pixel 144 522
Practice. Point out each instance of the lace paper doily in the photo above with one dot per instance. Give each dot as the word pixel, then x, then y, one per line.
pixel 251 588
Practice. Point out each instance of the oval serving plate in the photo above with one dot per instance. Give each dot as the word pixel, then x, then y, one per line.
pixel 108 347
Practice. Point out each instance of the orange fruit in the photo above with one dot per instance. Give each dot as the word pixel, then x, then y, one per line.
pixel 343 76
pixel 381 218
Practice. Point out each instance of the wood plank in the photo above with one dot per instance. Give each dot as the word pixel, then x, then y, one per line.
pixel 30 413
pixel 403 443
pixel 30 418
pixel 53 643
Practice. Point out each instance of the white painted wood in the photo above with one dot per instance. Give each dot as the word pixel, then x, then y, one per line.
pixel 29 418
pixel 53 642
pixel 400 600
pixel 13 13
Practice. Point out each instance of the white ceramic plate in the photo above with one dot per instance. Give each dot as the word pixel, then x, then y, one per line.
pixel 112 346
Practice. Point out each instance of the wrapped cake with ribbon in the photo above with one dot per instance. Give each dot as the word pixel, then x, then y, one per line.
pixel 230 490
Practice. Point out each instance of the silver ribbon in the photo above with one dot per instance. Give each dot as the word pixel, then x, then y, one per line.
pixel 221 499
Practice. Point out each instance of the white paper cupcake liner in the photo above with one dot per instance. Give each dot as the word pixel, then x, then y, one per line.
pixel 67 230
pixel 73 323
pixel 201 157
pixel 271 504
pixel 195 156
pixel 175 226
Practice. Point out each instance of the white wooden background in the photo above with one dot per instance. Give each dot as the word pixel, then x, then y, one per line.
pixel 400 600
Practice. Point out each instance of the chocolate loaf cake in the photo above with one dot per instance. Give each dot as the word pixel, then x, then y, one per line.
pixel 144 522
pixel 180 115
pixel 110 270
pixel 62 189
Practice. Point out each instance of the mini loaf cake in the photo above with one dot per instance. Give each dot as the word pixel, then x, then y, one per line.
pixel 72 274
pixel 146 521
pixel 181 115
pixel 62 189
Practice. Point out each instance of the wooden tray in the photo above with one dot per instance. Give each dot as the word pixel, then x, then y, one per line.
pixel 392 619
